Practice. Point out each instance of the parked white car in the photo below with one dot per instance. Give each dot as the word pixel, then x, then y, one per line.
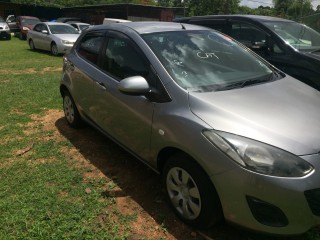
pixel 4 30
pixel 58 38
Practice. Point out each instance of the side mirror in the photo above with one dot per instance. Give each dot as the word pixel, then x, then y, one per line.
pixel 135 85
pixel 45 31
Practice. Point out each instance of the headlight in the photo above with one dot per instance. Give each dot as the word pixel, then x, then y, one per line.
pixel 25 28
pixel 6 27
pixel 259 157
pixel 67 42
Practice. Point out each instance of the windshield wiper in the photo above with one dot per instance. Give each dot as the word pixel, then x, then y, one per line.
pixel 241 84
pixel 257 81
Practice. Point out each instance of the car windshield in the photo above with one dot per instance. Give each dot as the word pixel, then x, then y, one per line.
pixel 29 21
pixel 62 29
pixel 205 60
pixel 297 35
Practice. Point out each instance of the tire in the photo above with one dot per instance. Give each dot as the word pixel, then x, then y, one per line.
pixel 20 36
pixel 54 49
pixel 190 192
pixel 31 45
pixel 8 37
pixel 71 112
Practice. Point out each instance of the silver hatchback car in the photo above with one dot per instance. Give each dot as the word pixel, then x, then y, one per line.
pixel 233 137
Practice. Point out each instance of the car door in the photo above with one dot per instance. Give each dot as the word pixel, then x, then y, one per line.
pixel 38 37
pixel 83 70
pixel 128 119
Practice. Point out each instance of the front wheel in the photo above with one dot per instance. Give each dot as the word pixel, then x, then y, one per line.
pixel 71 112
pixel 54 49
pixel 31 45
pixel 190 192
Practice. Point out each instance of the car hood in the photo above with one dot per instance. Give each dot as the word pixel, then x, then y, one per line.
pixel 3 24
pixel 283 113
pixel 315 55
pixel 28 26
pixel 69 37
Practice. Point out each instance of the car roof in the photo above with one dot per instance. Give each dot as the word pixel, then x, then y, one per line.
pixel 257 18
pixel 150 27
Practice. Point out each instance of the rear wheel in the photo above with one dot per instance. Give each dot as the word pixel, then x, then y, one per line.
pixel 71 112
pixel 54 49
pixel 191 193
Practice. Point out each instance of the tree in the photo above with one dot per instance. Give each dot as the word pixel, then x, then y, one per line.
pixel 293 8
pixel 300 8
pixel 209 7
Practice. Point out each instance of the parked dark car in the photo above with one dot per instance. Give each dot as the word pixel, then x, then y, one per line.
pixel 232 136
pixel 290 46
pixel 26 23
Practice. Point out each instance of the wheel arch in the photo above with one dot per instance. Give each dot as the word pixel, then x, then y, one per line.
pixel 63 90
pixel 218 214
pixel 167 152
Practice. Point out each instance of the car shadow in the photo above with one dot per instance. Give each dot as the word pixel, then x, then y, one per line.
pixel 143 185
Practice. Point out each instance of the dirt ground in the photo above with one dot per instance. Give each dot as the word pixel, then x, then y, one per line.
pixel 136 188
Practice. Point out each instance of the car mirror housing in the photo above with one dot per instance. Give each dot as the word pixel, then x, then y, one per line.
pixel 135 85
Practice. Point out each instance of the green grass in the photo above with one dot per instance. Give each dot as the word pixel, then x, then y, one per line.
pixel 43 195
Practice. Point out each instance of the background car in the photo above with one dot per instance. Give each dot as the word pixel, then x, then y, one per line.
pixel 290 46
pixel 58 38
pixel 79 26
pixel 231 136
pixel 114 20
pixel 11 21
pixel 4 30
pixel 26 23
pixel 68 19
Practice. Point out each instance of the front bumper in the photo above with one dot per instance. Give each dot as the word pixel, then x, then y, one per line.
pixel 270 204
pixel 4 33
pixel 64 48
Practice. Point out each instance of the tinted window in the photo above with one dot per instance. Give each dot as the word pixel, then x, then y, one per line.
pixel 248 34
pixel 39 27
pixel 122 60
pixel 90 46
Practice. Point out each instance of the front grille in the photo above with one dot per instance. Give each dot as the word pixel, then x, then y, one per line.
pixel 1 27
pixel 313 199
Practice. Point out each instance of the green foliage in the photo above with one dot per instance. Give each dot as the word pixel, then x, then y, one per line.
pixel 73 3
pixel 293 8
pixel 210 7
